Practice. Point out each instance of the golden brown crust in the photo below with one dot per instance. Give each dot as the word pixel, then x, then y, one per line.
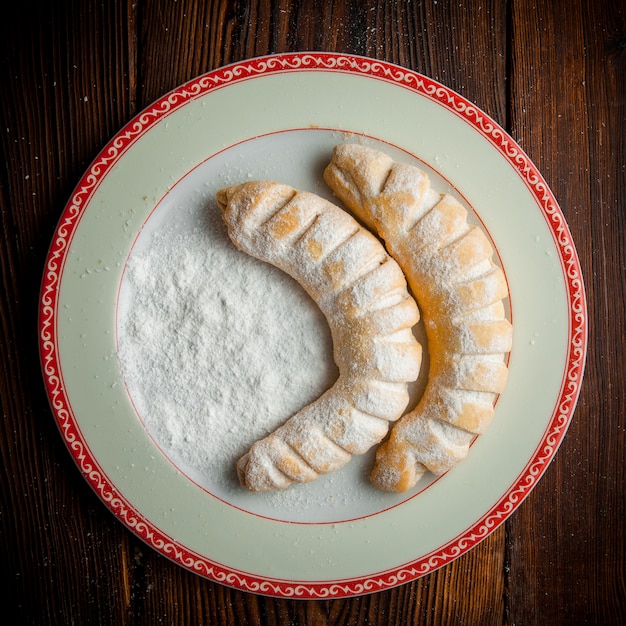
pixel 449 268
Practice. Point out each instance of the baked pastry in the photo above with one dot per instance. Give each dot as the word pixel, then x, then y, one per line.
pixel 363 294
pixel 450 270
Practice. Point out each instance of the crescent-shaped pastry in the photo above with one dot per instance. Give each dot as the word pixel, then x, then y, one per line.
pixel 449 268
pixel 363 294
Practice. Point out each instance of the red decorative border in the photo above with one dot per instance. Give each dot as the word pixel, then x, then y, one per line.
pixel 300 62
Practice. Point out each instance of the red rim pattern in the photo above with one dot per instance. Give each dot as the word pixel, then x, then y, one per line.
pixel 61 406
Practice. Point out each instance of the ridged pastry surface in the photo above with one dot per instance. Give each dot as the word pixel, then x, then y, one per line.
pixel 363 294
pixel 449 267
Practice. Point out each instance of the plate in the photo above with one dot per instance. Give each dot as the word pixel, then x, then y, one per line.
pixel 278 117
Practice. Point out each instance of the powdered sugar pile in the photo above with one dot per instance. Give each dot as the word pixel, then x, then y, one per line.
pixel 217 349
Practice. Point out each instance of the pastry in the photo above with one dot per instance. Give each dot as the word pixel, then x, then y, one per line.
pixel 460 291
pixel 363 294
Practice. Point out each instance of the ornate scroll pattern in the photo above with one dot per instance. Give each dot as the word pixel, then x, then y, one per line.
pixel 217 79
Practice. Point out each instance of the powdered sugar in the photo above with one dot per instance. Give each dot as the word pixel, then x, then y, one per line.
pixel 435 251
pixel 217 350
pixel 207 375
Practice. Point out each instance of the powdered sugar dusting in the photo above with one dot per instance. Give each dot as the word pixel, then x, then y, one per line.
pixel 194 313
pixel 270 221
pixel 448 265
pixel 217 350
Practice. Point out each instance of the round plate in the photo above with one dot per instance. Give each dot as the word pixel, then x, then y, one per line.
pixel 278 117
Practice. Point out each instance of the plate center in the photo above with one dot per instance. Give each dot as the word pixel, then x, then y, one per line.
pixel 218 349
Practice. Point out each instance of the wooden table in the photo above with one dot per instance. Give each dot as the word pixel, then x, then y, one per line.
pixel 551 73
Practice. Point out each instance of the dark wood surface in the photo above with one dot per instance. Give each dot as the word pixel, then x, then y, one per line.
pixel 551 73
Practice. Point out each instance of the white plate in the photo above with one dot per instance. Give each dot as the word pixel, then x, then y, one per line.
pixel 278 117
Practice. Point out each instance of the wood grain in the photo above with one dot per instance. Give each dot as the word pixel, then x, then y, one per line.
pixel 552 73
pixel 575 514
